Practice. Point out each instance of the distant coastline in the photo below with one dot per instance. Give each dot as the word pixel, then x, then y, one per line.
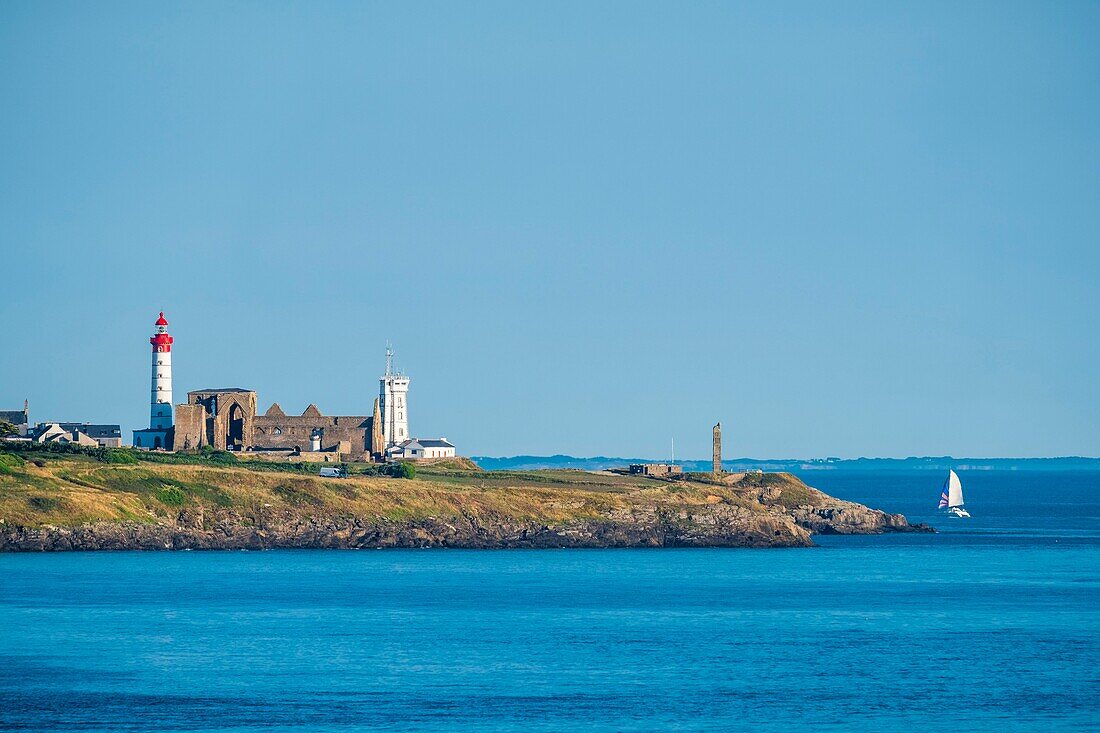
pixel 924 463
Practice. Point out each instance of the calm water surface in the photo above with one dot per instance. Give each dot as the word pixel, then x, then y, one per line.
pixel 994 624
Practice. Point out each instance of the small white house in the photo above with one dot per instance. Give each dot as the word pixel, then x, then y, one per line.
pixel 51 432
pixel 422 448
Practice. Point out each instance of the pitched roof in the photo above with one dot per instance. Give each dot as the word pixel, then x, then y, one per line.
pixel 425 443
pixel 275 410
pixel 15 417
pixel 49 432
pixel 93 431
pixel 41 429
pixel 435 443
pixel 312 411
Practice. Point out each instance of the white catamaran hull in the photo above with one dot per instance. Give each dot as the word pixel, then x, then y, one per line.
pixel 958 511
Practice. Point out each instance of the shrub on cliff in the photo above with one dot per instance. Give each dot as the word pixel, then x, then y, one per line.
pixel 171 495
pixel 118 456
pixel 404 469
pixel 56 448
pixel 218 457
pixel 123 456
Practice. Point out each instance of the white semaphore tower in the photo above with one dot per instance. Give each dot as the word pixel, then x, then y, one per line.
pixel 393 389
pixel 160 399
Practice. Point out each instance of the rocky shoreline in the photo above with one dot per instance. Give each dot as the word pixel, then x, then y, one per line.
pixel 51 503
pixel 712 526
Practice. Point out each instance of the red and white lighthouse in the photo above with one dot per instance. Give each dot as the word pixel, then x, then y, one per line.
pixel 160 412
pixel 159 433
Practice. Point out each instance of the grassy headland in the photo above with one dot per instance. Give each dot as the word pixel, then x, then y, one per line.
pixel 118 498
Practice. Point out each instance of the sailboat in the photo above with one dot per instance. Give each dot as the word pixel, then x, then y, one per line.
pixel 952 496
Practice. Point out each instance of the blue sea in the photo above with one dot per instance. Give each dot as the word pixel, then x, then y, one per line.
pixel 991 625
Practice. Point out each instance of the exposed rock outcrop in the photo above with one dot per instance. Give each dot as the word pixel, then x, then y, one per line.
pixel 848 518
pixel 719 526
pixel 712 526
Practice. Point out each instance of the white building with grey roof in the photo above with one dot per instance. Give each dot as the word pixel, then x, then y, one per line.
pixel 418 448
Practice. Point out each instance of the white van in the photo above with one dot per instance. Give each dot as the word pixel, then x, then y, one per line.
pixel 333 472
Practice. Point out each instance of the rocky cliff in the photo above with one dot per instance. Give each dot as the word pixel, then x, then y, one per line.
pixel 71 504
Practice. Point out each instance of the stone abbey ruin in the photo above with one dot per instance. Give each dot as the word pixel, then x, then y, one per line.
pixel 226 419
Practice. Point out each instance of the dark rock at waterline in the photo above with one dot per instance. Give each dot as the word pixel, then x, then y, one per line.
pixel 350 534
pixel 718 525
pixel 848 518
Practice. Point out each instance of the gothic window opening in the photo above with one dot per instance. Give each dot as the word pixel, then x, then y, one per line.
pixel 234 438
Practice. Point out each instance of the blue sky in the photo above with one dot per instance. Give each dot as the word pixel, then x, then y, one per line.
pixel 842 229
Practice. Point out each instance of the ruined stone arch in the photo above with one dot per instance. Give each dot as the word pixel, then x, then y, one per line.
pixel 234 427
